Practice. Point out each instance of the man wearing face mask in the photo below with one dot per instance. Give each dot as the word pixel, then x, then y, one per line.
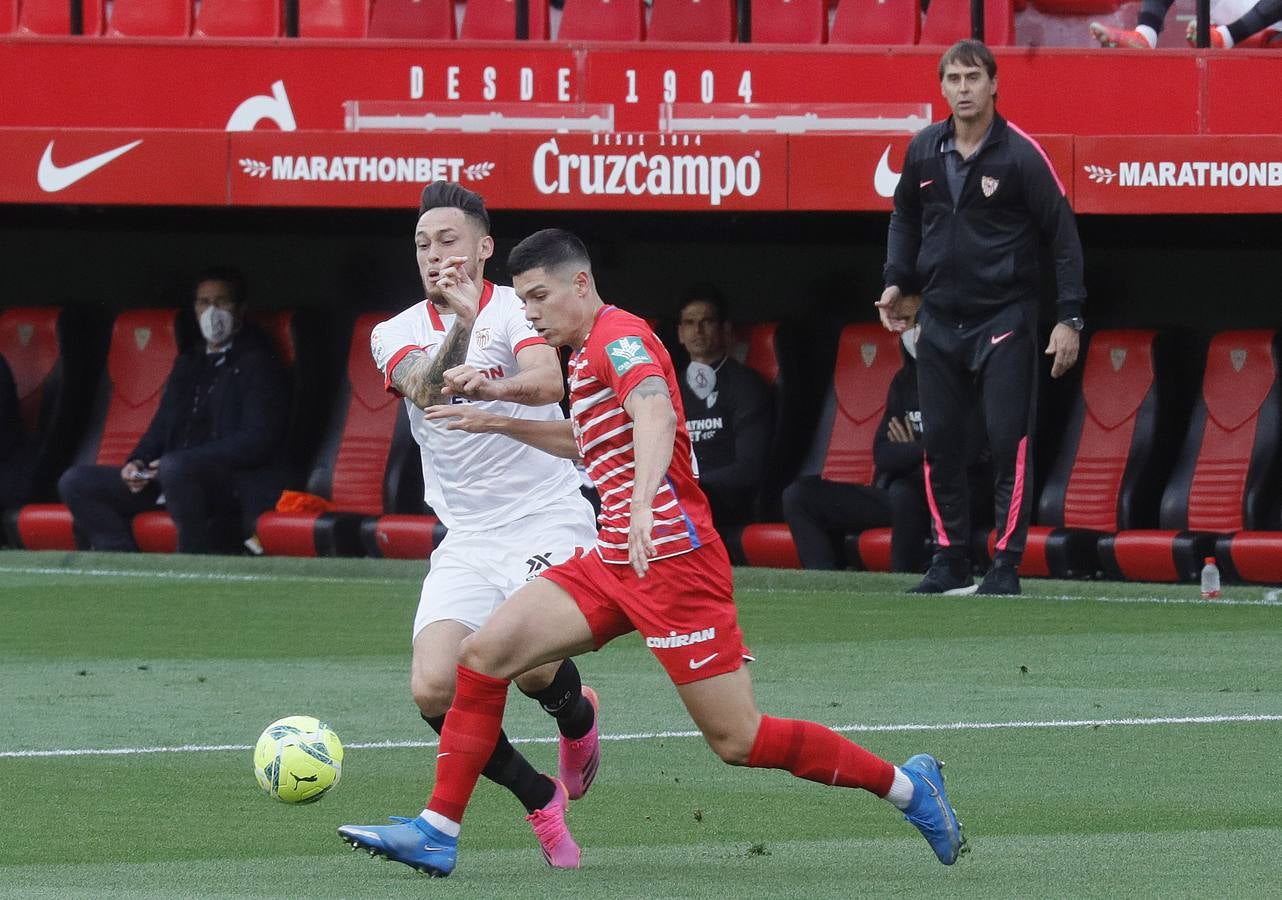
pixel 214 449
pixel 820 512
pixel 728 412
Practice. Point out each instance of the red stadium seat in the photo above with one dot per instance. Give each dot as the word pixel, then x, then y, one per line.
pixel 873 547
pixel 150 18
pixel 1252 556
pixel 711 21
pixel 29 343
pixel 789 21
pixel 52 17
pixel 1076 7
pixel 754 346
pixel 368 464
pixel 238 18
pixel 877 22
pixel 1225 479
pixel 948 21
pixel 868 357
pixel 428 20
pixel 495 20
pixel 53 354
pixel 401 536
pixel 1104 478
pixel 769 544
pixel 142 352
pixel 602 20
pixel 333 18
pixel 759 346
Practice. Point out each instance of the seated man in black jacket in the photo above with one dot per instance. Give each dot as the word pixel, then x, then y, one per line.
pixel 728 408
pixel 215 447
pixel 820 512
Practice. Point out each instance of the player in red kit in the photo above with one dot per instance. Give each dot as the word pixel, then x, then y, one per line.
pixel 658 567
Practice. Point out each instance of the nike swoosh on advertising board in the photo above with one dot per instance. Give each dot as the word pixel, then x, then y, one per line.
pixel 885 179
pixel 53 178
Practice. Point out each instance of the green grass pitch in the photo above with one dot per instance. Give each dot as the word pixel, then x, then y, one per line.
pixel 1102 740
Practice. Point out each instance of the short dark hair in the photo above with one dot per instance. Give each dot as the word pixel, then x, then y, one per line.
pixel 228 275
pixel 969 52
pixel 706 292
pixel 549 249
pixel 449 195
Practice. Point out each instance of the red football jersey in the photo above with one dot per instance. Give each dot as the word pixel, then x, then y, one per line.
pixel 621 351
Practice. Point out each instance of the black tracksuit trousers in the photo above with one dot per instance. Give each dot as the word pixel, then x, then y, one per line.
pixel 990 360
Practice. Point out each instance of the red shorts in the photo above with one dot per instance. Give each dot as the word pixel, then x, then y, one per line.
pixel 683 607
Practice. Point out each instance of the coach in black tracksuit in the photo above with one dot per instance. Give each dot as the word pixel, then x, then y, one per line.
pixel 975 197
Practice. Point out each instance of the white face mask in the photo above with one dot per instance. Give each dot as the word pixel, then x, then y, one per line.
pixel 702 379
pixel 216 324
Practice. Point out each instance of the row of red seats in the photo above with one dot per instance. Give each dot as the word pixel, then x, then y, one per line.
pixel 1108 485
pixel 1110 504
pixel 364 460
pixel 772 21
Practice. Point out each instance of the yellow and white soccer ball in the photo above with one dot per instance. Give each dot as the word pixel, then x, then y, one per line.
pixel 298 759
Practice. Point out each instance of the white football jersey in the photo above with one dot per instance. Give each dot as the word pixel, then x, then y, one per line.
pixel 478 481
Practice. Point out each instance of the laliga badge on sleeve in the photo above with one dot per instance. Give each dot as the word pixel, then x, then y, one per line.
pixel 702 379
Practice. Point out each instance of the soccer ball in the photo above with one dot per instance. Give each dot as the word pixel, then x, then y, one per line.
pixel 298 759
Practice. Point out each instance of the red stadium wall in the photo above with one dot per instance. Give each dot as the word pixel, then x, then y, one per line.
pixel 1203 143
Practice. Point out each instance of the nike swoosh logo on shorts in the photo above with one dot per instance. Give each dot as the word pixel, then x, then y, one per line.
pixel 927 183
pixel 53 178
pixel 699 664
pixel 998 338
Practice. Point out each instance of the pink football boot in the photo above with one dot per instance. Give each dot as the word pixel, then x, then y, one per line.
pixel 548 822
pixel 579 759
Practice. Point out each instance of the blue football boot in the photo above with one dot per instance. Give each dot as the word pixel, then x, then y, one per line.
pixel 930 810
pixel 410 841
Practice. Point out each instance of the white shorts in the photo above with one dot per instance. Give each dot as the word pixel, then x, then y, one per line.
pixel 472 572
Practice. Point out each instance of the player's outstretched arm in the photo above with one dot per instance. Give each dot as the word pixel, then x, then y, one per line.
pixel 553 437
pixel 538 380
pixel 654 429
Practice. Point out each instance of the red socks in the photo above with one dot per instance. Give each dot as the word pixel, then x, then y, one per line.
pixel 811 751
pixel 468 738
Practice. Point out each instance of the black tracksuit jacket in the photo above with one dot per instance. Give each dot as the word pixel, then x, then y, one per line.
pixel 971 257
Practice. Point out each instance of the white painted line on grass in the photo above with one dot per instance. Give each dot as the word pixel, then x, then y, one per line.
pixel 174 575
pixel 1271 598
pixel 660 735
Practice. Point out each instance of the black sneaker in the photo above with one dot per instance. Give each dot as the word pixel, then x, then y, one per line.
pixel 1001 581
pixel 946 576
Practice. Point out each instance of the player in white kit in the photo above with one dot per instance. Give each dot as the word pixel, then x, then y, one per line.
pixel 510 509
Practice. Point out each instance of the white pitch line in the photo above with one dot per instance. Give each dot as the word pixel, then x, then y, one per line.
pixel 1272 598
pixel 658 735
pixel 170 574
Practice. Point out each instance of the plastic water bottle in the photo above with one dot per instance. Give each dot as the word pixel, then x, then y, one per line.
pixel 1210 579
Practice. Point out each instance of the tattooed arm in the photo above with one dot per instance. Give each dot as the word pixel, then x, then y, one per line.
pixel 422 378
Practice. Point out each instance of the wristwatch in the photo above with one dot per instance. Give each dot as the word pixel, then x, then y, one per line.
pixel 1077 323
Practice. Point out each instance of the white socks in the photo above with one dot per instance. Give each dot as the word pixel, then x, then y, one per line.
pixel 1147 32
pixel 1224 33
pixel 447 827
pixel 901 791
